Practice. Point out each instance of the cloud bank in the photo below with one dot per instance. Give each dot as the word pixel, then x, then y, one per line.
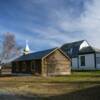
pixel 47 23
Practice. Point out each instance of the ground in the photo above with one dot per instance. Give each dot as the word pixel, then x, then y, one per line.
pixel 79 85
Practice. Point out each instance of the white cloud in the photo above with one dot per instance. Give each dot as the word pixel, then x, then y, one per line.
pixel 61 26
pixel 90 23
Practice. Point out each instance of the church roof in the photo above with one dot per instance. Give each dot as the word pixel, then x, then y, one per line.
pixel 72 49
pixel 36 55
pixel 39 55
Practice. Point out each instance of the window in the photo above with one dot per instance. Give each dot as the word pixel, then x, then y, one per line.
pixel 82 59
pixel 98 60
pixel 71 50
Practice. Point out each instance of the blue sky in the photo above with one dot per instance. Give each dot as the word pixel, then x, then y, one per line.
pixel 50 23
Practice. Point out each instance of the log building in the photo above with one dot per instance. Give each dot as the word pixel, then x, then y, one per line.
pixel 45 63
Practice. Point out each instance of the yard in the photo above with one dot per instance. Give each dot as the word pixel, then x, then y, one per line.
pixel 79 85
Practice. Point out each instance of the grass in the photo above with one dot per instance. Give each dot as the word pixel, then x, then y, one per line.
pixel 50 87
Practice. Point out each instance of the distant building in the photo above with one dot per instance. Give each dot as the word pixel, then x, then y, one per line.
pixel 83 56
pixel 48 62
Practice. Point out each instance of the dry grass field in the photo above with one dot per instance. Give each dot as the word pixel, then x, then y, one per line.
pixel 78 86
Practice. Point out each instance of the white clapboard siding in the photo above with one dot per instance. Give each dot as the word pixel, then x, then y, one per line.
pixel 97 61
pixel 74 63
pixel 89 62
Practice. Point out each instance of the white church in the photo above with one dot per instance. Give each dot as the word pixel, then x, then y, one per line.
pixel 83 55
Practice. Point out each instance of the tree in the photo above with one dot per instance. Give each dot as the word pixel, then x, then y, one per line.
pixel 10 47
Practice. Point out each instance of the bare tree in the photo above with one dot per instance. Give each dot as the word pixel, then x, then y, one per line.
pixel 10 47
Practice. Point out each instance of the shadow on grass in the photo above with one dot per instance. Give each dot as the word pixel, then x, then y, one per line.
pixel 12 75
pixel 15 97
pixel 92 93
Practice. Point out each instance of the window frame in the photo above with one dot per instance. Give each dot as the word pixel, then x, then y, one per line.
pixel 82 61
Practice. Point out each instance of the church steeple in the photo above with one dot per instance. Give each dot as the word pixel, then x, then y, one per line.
pixel 26 49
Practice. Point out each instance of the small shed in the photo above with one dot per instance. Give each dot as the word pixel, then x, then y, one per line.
pixel 48 62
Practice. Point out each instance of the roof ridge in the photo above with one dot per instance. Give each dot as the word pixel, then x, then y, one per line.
pixel 44 50
pixel 72 42
pixel 36 55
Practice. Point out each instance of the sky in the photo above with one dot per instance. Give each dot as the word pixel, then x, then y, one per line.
pixel 51 23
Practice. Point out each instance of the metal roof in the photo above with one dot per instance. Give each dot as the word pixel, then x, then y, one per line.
pixel 36 55
pixel 72 49
pixel 89 49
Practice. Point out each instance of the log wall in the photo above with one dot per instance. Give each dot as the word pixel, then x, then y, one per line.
pixel 56 64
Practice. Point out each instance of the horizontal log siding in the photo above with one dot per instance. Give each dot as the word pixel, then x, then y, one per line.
pixel 56 63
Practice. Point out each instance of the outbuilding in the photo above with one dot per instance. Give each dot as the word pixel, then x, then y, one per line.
pixel 45 63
